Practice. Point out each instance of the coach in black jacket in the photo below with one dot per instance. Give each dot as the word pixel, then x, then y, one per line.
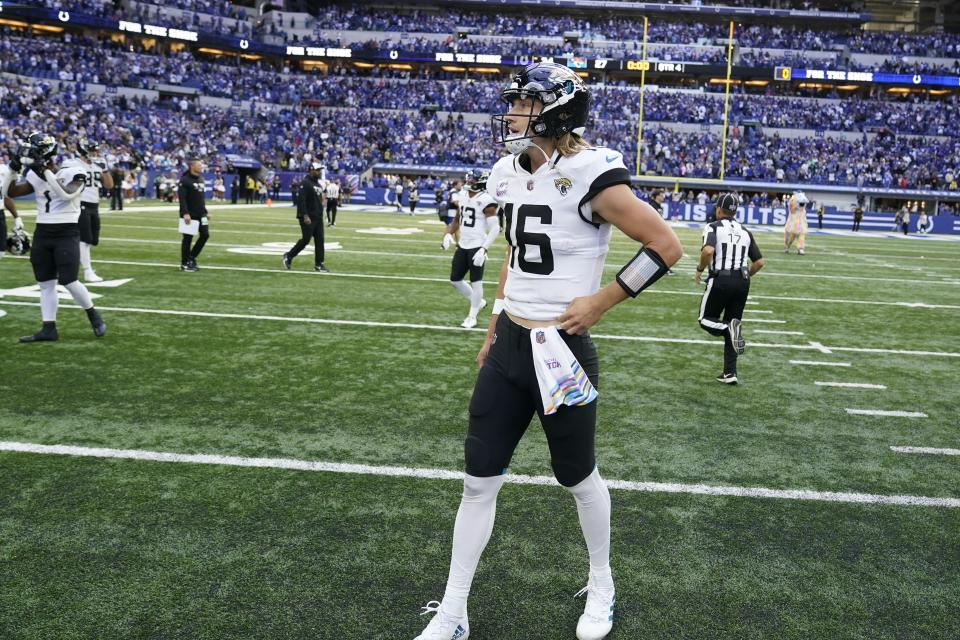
pixel 193 206
pixel 310 215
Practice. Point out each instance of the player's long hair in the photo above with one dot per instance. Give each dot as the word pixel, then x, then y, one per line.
pixel 570 143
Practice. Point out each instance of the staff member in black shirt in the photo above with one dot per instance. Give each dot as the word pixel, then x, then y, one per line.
pixel 116 191
pixel 193 207
pixel 310 214
pixel 727 245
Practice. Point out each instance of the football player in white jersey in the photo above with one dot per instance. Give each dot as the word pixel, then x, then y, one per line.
pixel 478 226
pixel 96 177
pixel 55 252
pixel 560 198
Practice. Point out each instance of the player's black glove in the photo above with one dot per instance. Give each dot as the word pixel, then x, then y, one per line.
pixel 15 164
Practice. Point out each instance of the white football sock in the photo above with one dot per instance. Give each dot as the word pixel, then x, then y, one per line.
pixel 478 507
pixel 476 297
pixel 48 300
pixel 593 507
pixel 80 294
pixel 85 256
pixel 463 288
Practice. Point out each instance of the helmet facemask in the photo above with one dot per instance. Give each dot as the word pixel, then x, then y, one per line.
pixel 518 142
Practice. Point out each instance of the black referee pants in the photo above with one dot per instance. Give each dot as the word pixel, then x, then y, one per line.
pixel 724 300
pixel 312 231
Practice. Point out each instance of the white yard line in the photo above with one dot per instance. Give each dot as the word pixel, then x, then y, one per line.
pixel 851 385
pixel 757 311
pixel 763 320
pixel 817 363
pixel 928 450
pixel 776 332
pixel 405 325
pixel 820 348
pixel 699 294
pixel 887 414
pixel 445 474
pixel 608 267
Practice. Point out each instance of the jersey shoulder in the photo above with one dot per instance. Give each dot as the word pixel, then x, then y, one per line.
pixel 598 167
pixel 74 163
pixel 66 175
pixel 484 199
pixel 502 169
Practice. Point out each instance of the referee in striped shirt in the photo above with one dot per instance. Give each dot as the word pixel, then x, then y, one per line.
pixel 727 246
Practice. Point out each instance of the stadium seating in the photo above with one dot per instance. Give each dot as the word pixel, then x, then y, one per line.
pixel 353 119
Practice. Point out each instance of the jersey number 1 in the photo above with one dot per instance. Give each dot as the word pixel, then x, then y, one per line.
pixel 519 238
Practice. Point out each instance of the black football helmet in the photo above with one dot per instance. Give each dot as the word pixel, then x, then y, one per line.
pixel 19 243
pixel 43 146
pixel 561 92
pixel 476 179
pixel 87 147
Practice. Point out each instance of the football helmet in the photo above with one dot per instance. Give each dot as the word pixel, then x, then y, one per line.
pixel 476 180
pixel 43 147
pixel 563 96
pixel 86 147
pixel 19 243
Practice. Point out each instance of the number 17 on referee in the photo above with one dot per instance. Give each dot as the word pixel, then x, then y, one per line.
pixel 727 246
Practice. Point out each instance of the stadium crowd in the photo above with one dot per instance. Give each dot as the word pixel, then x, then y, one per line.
pixel 158 135
pixel 91 61
pixel 595 30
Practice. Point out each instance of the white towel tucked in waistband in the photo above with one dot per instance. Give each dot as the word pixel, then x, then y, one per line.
pixel 561 378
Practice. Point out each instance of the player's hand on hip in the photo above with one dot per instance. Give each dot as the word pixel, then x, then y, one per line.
pixel 480 257
pixel 581 314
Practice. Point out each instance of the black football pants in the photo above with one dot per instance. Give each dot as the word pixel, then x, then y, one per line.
pixel 312 231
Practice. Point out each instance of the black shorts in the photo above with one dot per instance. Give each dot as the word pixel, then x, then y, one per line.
pixel 463 262
pixel 89 222
pixel 506 397
pixel 55 252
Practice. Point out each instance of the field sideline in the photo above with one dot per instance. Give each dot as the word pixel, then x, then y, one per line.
pixel 723 523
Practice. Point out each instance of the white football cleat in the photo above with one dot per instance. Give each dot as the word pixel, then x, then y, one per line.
pixel 89 275
pixel 469 322
pixel 597 619
pixel 444 626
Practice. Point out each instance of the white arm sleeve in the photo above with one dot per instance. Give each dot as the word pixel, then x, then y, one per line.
pixel 493 230
pixel 57 188
pixel 7 177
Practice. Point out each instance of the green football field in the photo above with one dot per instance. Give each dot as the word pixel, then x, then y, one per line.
pixel 774 509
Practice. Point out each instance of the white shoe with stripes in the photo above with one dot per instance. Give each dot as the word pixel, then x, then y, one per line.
pixel 444 626
pixel 597 619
